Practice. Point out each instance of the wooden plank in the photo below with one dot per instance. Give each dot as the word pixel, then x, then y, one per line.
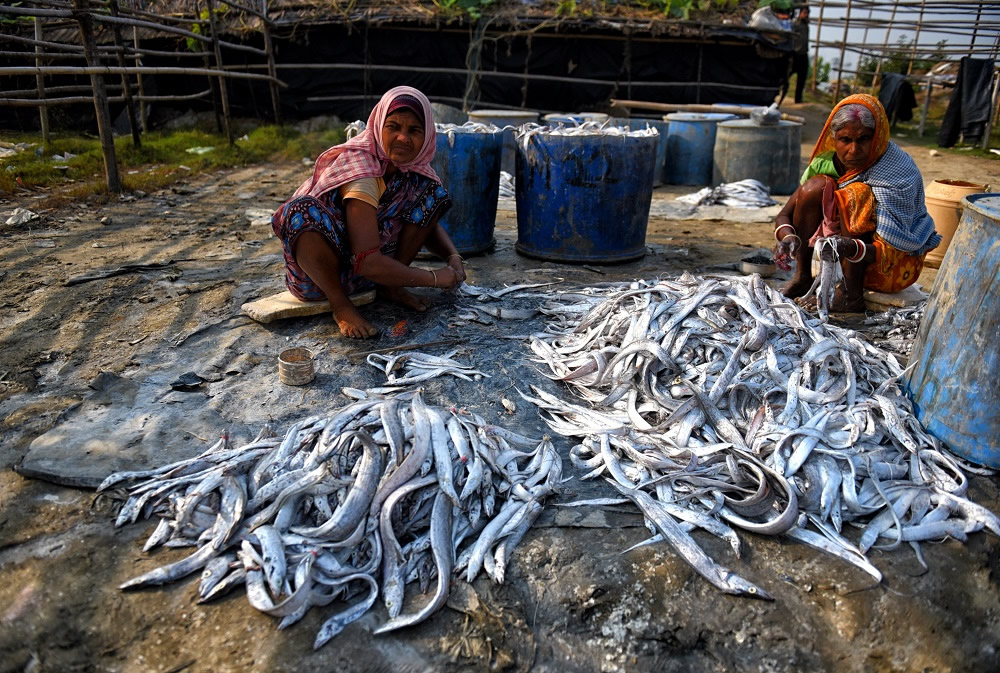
pixel 694 107
pixel 284 305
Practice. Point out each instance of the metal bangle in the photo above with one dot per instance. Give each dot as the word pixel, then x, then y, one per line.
pixel 780 227
pixel 862 249
pixel 434 276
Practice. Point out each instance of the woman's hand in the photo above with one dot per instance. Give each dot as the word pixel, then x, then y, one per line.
pixel 784 251
pixel 455 263
pixel 447 278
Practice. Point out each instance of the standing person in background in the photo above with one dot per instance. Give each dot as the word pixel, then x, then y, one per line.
pixel 800 61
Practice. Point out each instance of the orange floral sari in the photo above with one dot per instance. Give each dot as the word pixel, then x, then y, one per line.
pixel 893 269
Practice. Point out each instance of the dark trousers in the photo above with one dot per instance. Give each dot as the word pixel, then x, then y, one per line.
pixel 799 68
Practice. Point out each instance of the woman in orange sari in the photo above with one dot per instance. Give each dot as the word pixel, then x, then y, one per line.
pixel 865 194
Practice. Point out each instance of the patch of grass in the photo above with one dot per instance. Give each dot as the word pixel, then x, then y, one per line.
pixel 162 160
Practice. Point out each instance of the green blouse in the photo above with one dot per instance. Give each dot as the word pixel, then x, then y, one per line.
pixel 821 165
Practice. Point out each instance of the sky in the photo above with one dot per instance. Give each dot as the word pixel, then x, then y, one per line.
pixel 875 37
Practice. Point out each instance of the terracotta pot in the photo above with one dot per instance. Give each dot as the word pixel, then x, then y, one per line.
pixel 943 199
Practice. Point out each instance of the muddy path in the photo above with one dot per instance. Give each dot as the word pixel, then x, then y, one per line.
pixel 105 350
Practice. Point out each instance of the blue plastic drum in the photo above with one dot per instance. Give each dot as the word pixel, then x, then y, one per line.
pixel 662 127
pixel 957 352
pixel 468 164
pixel 584 198
pixel 504 118
pixel 690 145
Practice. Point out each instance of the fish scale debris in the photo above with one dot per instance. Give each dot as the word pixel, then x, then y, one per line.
pixel 715 403
pixel 347 507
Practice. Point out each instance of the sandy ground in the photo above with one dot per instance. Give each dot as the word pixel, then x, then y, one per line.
pixel 103 351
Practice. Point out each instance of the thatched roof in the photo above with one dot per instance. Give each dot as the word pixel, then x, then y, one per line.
pixel 646 18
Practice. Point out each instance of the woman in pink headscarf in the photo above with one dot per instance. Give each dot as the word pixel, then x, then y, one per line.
pixel 365 213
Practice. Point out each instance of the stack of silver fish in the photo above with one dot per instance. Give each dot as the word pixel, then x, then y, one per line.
pixel 715 403
pixel 379 494
pixel 896 328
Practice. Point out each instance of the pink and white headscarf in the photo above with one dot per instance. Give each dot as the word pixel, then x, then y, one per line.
pixel 363 155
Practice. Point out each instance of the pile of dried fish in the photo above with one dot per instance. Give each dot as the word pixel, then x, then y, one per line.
pixel 421 367
pixel 747 193
pixel 379 494
pixel 716 403
pixel 486 314
pixel 896 328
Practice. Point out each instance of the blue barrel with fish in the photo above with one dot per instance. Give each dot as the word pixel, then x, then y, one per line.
pixel 468 163
pixel 744 149
pixel 956 355
pixel 583 198
pixel 504 118
pixel 662 127
pixel 570 118
pixel 690 146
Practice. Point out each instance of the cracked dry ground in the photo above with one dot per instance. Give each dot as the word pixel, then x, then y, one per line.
pixel 572 602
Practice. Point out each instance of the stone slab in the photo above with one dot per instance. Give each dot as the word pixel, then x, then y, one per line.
pixel 285 305
pixel 879 301
pixel 120 426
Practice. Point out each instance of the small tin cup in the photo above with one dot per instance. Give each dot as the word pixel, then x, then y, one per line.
pixel 296 366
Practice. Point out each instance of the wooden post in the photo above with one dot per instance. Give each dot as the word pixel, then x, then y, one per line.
pixel 864 41
pixel 271 69
pixel 126 83
pixel 975 29
pixel 43 111
pixel 885 43
pixel 926 108
pixel 697 91
pixel 916 37
pixel 819 32
pixel 993 106
pixel 843 48
pixel 143 113
pixel 100 98
pixel 218 64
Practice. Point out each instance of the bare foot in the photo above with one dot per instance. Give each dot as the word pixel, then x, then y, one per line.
pixel 843 304
pixel 797 287
pixel 351 324
pixel 404 297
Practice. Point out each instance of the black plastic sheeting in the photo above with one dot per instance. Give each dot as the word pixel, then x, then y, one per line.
pixel 970 105
pixel 731 68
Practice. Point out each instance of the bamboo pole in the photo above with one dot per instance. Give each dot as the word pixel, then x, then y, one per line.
pixel 694 107
pixel 73 100
pixel 271 69
pixel 916 37
pixel 125 21
pixel 993 106
pixel 819 29
pixel 926 109
pixel 126 83
pixel 248 10
pixel 143 112
pixel 885 43
pixel 218 64
pixel 100 101
pixel 72 88
pixel 102 51
pixel 864 41
pixel 843 47
pixel 43 111
pixel 39 56
pixel 129 70
pixel 975 27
